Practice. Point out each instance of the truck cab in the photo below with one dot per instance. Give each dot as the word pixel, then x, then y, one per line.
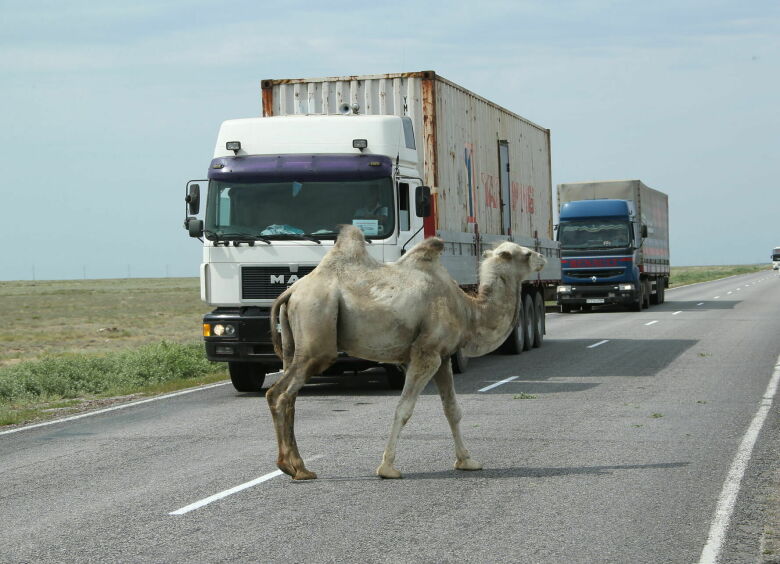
pixel 601 244
pixel 277 190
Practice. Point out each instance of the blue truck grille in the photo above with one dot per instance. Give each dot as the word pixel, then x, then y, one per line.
pixel 587 274
pixel 267 282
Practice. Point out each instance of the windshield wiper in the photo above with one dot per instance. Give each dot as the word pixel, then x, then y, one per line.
pixel 238 237
pixel 295 237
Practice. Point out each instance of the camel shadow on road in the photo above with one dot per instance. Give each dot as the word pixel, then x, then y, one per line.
pixel 519 472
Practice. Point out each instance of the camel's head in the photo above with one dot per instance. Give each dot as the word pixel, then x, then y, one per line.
pixel 515 258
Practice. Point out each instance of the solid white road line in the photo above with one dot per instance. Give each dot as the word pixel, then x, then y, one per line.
pixel 728 495
pixel 497 384
pixel 113 408
pixel 594 345
pixel 652 322
pixel 231 491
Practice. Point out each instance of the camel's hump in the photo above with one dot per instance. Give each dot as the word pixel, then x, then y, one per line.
pixel 427 250
pixel 350 241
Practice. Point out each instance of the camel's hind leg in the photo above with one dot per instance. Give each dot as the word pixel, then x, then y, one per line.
pixel 418 374
pixel 443 379
pixel 281 399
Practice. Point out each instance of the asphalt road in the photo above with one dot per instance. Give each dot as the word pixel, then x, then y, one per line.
pixel 611 444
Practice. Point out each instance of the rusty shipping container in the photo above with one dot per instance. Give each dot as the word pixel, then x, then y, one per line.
pixel 489 168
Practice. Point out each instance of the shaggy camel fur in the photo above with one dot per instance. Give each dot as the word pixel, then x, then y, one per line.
pixel 410 312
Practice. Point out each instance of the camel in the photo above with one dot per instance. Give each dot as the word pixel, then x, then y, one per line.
pixel 410 313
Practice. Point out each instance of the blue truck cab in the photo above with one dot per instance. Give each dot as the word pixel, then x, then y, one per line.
pixel 613 251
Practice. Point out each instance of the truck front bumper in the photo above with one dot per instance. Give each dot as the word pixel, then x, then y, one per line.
pixel 597 294
pixel 244 335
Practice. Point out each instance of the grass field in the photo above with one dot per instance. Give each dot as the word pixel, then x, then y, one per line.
pixel 67 345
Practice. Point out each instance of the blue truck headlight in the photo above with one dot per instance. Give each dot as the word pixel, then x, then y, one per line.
pixel 565 289
pixel 626 287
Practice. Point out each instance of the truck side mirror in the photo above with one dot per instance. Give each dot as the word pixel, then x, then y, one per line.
pixel 644 230
pixel 422 201
pixel 193 198
pixel 194 226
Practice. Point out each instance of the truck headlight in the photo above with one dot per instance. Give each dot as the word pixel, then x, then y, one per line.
pixel 626 287
pixel 223 330
pixel 566 289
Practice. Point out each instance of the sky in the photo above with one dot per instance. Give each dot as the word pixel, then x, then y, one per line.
pixel 108 108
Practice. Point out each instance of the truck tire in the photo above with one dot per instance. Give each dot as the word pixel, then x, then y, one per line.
pixel 396 376
pixel 646 292
pixel 460 362
pixel 246 376
pixel 640 298
pixel 539 325
pixel 530 322
pixel 515 342
pixel 662 290
pixel 565 308
pixel 655 298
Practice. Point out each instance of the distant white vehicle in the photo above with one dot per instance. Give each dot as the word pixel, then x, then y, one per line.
pixel 776 258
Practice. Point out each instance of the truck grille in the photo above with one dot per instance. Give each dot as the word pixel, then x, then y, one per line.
pixel 267 282
pixel 585 274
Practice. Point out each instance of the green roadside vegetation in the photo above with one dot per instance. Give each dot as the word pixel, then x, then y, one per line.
pixel 71 345
pixel 683 275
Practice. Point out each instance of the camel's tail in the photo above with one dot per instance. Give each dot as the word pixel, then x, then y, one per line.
pixel 281 334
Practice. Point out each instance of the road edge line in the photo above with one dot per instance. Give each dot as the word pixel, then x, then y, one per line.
pixel 112 408
pixel 728 495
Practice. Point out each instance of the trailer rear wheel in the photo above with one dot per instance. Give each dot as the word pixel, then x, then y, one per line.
pixel 246 376
pixel 539 325
pixel 515 342
pixel 530 322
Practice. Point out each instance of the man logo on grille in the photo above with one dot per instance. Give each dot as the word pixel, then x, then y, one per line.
pixel 279 279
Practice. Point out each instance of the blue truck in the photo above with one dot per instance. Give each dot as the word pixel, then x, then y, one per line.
pixel 614 238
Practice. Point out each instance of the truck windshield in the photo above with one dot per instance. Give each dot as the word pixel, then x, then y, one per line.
pixel 291 209
pixel 594 234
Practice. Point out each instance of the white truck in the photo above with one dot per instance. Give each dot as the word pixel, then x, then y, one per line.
pixel 404 156
pixel 776 258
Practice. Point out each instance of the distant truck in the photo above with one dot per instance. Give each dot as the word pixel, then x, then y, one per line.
pixel 404 157
pixel 776 258
pixel 614 238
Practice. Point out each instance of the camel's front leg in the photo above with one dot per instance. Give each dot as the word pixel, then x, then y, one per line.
pixel 281 400
pixel 443 379
pixel 418 373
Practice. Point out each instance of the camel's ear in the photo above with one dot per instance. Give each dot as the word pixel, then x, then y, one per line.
pixel 506 255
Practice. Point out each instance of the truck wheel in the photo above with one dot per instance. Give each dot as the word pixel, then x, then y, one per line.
pixel 539 326
pixel 565 308
pixel 396 376
pixel 655 299
pixel 640 299
pixel 246 376
pixel 515 342
pixel 662 290
pixel 530 322
pixel 459 362
pixel 646 292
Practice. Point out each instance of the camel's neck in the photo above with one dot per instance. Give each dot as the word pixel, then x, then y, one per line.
pixel 494 313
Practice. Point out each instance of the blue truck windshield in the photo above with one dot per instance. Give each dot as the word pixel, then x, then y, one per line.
pixel 594 234
pixel 290 208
